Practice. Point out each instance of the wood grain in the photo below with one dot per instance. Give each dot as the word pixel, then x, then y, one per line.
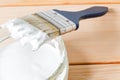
pixel 4 3
pixel 96 41
pixel 94 72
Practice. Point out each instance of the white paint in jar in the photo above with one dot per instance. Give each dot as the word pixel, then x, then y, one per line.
pixel 19 62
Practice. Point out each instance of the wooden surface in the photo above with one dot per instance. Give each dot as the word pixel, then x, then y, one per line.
pixel 53 2
pixel 93 50
pixel 95 72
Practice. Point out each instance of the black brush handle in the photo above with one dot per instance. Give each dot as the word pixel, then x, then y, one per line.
pixel 84 14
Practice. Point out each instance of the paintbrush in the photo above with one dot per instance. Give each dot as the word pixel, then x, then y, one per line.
pixel 41 27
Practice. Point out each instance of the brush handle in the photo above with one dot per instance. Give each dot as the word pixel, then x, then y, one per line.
pixel 84 14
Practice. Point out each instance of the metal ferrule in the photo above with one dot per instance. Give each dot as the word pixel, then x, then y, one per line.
pixel 59 21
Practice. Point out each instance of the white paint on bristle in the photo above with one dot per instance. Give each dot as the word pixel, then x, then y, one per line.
pixel 27 33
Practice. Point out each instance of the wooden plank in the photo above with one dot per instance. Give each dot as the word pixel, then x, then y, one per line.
pixel 96 41
pixel 94 72
pixel 54 2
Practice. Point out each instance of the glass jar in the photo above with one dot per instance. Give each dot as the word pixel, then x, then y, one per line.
pixel 19 62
